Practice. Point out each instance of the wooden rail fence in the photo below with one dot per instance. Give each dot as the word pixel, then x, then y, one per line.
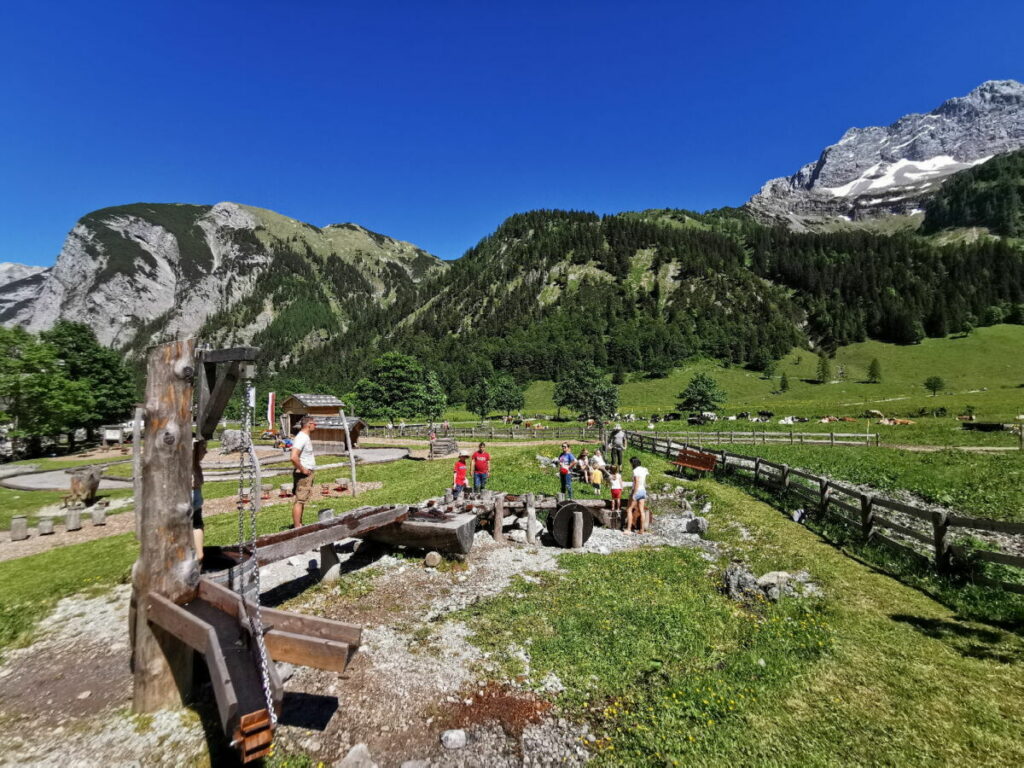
pixel 864 512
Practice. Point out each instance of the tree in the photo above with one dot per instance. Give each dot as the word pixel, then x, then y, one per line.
pixel 478 399
pixel 585 390
pixel 875 371
pixel 506 395
pixel 434 400
pixel 701 394
pixel 784 383
pixel 109 380
pixel 824 368
pixel 38 397
pixel 933 384
pixel 769 369
pixel 397 387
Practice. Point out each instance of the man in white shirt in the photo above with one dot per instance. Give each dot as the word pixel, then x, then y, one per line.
pixel 638 501
pixel 305 466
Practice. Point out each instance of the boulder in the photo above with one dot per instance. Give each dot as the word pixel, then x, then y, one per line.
pixel 775 585
pixel 740 583
pixel 698 525
pixel 432 560
pixel 454 739
pixel 357 757
pixel 231 441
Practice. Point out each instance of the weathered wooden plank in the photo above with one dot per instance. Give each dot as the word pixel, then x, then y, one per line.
pixel 925 538
pixel 314 536
pixel 898 545
pixel 232 355
pixel 984 524
pixel 904 508
pixel 1007 585
pixel 218 399
pixel 318 652
pixel 844 489
pixel 230 603
pixel 805 475
pixel 455 535
pixel 989 556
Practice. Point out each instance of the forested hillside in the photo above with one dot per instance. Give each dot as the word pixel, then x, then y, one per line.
pixel 988 195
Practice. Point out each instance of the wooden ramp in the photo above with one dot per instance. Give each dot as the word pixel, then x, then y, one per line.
pixel 215 623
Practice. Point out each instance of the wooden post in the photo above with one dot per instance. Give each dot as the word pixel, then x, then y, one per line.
pixel 577 529
pixel 162 665
pixel 499 518
pixel 832 438
pixel 867 515
pixel 531 520
pixel 757 468
pixel 73 518
pixel 348 447
pixel 137 426
pixel 19 528
pixel 785 477
pixel 940 524
pixel 791 437
pixel 826 494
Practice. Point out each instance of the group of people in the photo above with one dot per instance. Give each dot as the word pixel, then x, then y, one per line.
pixel 481 462
pixel 594 470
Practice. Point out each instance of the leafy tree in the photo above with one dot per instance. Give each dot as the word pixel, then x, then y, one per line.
pixel 396 388
pixel 478 399
pixel 784 383
pixel 38 397
pixel 585 390
pixel 506 395
pixel 108 378
pixel 824 368
pixel 875 371
pixel 701 394
pixel 934 384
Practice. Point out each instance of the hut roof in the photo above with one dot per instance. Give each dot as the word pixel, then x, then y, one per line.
pixel 318 401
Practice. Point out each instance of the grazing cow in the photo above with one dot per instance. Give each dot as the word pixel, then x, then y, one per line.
pixel 875 414
pixel 788 420
pixel 847 418
pixel 766 414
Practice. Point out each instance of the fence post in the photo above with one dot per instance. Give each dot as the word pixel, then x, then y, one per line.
pixel 826 493
pixel 940 524
pixel 725 462
pixel 757 469
pixel 832 438
pixel 785 477
pixel 867 515
pixel 499 518
pixel 791 437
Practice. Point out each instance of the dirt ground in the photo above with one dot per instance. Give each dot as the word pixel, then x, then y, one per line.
pixel 65 699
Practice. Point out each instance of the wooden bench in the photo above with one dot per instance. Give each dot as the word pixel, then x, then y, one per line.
pixel 689 458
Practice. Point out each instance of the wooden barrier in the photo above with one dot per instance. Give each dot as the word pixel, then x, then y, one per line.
pixel 863 511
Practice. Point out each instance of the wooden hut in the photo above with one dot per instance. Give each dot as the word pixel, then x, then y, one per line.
pixel 329 435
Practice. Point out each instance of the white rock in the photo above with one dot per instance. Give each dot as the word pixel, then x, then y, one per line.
pixel 454 739
pixel 84 695
pixel 357 757
pixel 432 560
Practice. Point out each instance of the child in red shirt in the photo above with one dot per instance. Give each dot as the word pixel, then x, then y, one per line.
pixel 481 468
pixel 459 475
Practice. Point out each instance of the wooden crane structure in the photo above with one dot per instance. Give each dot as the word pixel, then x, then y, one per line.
pixel 177 609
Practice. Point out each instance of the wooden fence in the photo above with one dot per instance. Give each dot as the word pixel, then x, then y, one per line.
pixel 500 432
pixel 765 437
pixel 864 512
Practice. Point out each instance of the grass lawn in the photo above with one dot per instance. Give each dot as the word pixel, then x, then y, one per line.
pixel 669 672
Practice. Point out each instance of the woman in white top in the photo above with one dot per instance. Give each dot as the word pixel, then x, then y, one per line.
pixel 597 460
pixel 638 501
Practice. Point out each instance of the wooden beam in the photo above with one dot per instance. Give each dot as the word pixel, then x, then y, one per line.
pixel 220 393
pixel 455 535
pixel 280 546
pixel 308 651
pixel 167 565
pixel 232 355
pixel 231 603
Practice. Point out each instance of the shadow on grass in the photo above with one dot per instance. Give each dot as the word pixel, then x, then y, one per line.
pixel 973 642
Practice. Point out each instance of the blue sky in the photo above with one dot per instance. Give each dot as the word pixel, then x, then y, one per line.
pixel 433 121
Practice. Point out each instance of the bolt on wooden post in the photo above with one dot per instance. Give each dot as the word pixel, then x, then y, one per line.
pixel 167 565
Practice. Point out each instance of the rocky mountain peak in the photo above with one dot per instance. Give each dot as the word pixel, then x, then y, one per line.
pixel 892 169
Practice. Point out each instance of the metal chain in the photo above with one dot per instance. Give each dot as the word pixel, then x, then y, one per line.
pixel 249 482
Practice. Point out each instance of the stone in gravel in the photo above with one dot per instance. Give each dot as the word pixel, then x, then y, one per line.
pixel 454 739
pixel 357 757
pixel 84 695
pixel 285 671
pixel 432 560
pixel 698 525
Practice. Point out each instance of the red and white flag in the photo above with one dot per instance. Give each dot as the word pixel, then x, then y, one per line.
pixel 271 403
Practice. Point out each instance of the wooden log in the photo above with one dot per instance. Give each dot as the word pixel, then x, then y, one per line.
pixel 98 515
pixel 19 528
pixel 73 519
pixel 531 520
pixel 577 529
pixel 499 519
pixel 308 651
pixel 280 546
pixel 454 536
pixel 167 564
pixel 45 527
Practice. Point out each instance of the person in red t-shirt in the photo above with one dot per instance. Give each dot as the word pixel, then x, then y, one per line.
pixel 459 475
pixel 481 468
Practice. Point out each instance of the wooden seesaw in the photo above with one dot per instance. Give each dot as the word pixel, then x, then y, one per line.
pixel 176 610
